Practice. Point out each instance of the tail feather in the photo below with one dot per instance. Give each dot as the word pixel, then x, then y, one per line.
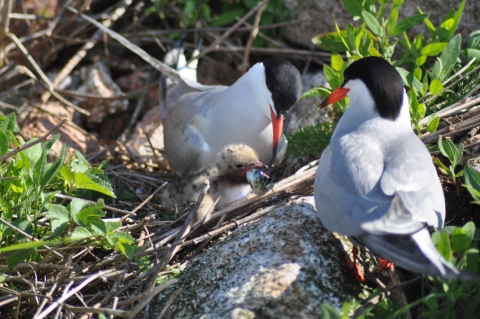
pixel 414 252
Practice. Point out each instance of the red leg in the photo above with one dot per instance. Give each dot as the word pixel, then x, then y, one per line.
pixel 352 265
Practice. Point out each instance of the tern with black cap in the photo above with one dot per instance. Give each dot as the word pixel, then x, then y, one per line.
pixel 376 182
pixel 200 120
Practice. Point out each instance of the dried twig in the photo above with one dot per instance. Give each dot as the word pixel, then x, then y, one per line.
pixel 245 64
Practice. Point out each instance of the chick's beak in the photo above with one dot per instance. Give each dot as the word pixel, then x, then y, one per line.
pixel 335 96
pixel 277 124
pixel 257 164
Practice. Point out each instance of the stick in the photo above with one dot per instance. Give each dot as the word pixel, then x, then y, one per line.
pixel 251 37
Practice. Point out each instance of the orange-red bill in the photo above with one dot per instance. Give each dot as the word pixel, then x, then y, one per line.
pixel 277 123
pixel 334 97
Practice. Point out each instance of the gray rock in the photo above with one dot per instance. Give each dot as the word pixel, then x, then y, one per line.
pixel 283 266
pixel 318 17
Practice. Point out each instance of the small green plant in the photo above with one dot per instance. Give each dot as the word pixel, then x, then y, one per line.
pixel 30 184
pixel 309 140
pixel 454 154
pixel 472 181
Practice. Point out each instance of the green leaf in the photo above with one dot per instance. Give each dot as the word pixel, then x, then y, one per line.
pixel 123 242
pixel 33 153
pixel 112 226
pixel 460 241
pixel 54 168
pixel 48 144
pixel 19 257
pixel 97 226
pixel 320 92
pixel 67 174
pixel 433 124
pixel 4 141
pixel 434 49
pixel 372 23
pixel 472 179
pixel 331 41
pixel 332 77
pixel 328 312
pixel 447 29
pixel 23 246
pixel 450 55
pixel 444 246
pixel 436 87
pixel 337 62
pixel 59 217
pixel 89 213
pixel 75 206
pixel 410 80
pixel 437 69
pixel 408 23
pixel 83 181
pixel 80 233
pixel 354 7
pixel 228 17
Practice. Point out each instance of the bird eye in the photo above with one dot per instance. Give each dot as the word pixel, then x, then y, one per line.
pixel 239 166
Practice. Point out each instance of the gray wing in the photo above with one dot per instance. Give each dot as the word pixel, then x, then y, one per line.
pixel 410 177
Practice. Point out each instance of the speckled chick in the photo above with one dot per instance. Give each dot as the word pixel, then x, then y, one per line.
pixel 227 177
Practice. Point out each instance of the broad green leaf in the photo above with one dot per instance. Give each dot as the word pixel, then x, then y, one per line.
pixel 372 23
pixel 57 212
pixel 408 23
pixel 112 226
pixel 123 242
pixel 433 124
pixel 33 153
pixel 447 28
pixel 354 7
pixel 331 41
pixel 473 259
pixel 410 80
pixel 444 246
pixel 437 69
pixel 450 55
pixel 472 179
pixel 469 230
pixel 332 77
pixel 89 213
pixel 434 49
pixel 97 226
pixel 3 143
pixel 67 174
pixel 436 87
pixel 83 181
pixel 460 241
pixel 81 233
pixel 337 62
pixel 40 169
pixel 228 17
pixel 75 206
pixel 8 124
pixel 372 51
pixel 473 53
pixel 448 149
pixel 420 60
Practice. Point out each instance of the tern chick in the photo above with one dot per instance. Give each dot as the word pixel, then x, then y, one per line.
pixel 227 177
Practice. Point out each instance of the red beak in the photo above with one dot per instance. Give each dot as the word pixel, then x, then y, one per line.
pixel 277 123
pixel 334 97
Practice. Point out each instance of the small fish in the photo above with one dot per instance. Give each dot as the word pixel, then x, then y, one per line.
pixel 258 180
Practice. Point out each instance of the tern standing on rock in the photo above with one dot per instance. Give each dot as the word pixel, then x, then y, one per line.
pixel 227 177
pixel 200 120
pixel 376 182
